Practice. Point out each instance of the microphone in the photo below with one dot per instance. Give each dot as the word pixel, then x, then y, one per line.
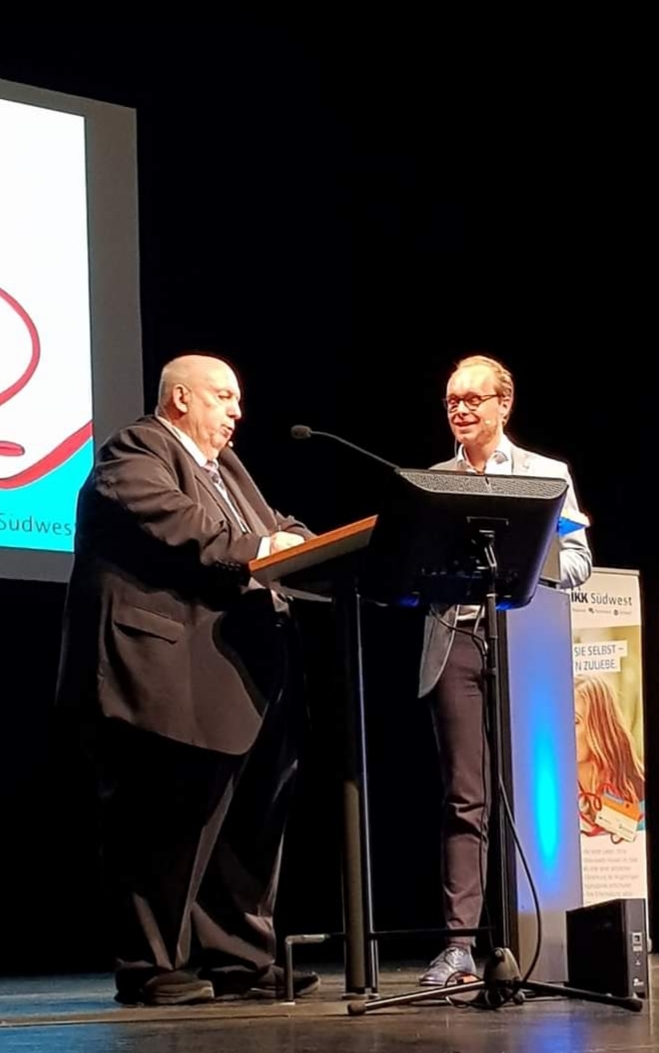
pixel 301 431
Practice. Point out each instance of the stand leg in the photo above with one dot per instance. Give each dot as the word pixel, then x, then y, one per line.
pixel 493 706
pixel 361 964
pixel 501 984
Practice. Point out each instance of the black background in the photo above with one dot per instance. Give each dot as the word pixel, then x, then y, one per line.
pixel 342 207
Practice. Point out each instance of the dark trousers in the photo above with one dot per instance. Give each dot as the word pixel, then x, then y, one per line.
pixel 192 843
pixel 457 704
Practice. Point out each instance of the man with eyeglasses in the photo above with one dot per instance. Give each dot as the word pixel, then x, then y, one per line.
pixel 479 400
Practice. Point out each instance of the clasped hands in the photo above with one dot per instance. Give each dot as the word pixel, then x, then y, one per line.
pixel 282 539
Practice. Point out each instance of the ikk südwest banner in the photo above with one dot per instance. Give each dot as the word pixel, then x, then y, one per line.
pixel 608 700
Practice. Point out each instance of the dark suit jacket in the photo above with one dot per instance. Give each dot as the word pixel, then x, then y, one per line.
pixel 163 627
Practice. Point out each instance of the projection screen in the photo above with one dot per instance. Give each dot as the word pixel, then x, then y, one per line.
pixel 70 337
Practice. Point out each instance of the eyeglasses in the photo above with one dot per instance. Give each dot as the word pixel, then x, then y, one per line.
pixel 472 402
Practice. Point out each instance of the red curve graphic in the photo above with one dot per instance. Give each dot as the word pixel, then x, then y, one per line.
pixel 8 448
pixel 35 355
pixel 52 460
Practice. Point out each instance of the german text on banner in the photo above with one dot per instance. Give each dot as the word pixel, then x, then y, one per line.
pixel 608 698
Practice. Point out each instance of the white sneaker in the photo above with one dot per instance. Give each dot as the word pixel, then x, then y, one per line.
pixel 453 963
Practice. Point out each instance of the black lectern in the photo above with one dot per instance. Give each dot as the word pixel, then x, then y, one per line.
pixel 439 538
pixel 429 543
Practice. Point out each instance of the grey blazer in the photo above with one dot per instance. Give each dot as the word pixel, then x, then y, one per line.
pixel 574 557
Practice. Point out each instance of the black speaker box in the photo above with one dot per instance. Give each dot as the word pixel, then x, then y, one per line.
pixel 607 948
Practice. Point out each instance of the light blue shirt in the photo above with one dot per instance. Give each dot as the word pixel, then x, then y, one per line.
pixel 500 462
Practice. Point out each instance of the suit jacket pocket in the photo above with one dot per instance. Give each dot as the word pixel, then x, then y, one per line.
pixel 146 670
pixel 139 620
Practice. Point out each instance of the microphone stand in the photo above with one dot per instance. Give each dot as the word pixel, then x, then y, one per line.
pixel 301 431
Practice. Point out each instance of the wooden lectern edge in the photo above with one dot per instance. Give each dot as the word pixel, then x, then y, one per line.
pixel 358 527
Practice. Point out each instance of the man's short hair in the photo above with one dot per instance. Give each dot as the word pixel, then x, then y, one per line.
pixel 504 384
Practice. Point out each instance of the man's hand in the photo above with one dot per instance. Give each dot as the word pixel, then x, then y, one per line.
pixel 282 540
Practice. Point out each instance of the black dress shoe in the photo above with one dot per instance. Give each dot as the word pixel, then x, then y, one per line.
pixel 169 988
pixel 232 984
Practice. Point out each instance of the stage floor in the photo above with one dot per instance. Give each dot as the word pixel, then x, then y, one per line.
pixel 77 1014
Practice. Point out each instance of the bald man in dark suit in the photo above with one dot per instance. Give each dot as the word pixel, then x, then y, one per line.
pixel 182 674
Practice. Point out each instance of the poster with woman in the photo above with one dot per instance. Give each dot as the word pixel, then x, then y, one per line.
pixel 608 701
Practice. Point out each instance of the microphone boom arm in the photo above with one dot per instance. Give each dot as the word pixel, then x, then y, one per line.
pixel 301 431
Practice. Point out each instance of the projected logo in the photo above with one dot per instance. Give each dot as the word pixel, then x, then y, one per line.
pixel 45 436
pixel 37 443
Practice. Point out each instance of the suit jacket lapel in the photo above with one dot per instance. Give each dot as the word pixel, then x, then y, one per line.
pixel 520 461
pixel 247 510
pixel 210 488
pixel 246 494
